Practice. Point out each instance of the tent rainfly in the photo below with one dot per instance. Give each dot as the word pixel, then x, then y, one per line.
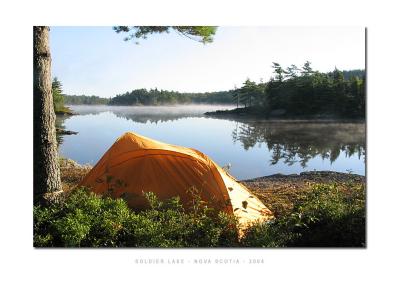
pixel 135 164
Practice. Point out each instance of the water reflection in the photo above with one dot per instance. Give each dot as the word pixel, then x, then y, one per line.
pixel 253 147
pixel 152 114
pixel 60 125
pixel 298 142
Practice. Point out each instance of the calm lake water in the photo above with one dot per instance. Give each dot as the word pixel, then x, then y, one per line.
pixel 253 148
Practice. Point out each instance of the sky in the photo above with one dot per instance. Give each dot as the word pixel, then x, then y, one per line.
pixel 97 61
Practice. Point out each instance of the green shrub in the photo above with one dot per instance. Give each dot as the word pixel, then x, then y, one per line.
pixel 327 217
pixel 84 219
pixel 166 224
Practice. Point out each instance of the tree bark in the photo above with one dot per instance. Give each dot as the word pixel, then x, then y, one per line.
pixel 45 157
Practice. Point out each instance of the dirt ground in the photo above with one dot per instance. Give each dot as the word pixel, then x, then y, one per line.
pixel 72 173
pixel 280 192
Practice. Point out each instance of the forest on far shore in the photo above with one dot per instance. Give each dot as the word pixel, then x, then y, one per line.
pixel 152 97
pixel 291 91
pixel 294 92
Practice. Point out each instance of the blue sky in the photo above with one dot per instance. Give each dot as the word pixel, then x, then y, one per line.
pixel 96 60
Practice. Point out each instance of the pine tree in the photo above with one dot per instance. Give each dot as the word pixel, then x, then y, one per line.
pixel 58 99
pixel 45 157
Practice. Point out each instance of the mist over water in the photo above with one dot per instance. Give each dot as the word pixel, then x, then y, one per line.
pixel 253 147
pixel 177 110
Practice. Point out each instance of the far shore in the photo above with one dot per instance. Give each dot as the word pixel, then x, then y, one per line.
pixel 240 113
pixel 279 116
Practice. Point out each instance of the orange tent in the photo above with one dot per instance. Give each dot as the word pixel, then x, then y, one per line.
pixel 135 164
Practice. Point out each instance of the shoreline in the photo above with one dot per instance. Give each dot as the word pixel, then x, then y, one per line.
pixel 319 176
pixel 64 112
pixel 316 176
pixel 279 192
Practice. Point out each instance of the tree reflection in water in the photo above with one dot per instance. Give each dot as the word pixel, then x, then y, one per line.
pixel 151 114
pixel 288 141
pixel 298 142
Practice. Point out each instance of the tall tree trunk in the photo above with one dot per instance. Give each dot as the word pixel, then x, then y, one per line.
pixel 45 158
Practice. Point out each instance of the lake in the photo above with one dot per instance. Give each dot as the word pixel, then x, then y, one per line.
pixel 253 148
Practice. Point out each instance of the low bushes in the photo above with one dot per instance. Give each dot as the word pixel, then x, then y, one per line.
pixel 84 219
pixel 326 217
